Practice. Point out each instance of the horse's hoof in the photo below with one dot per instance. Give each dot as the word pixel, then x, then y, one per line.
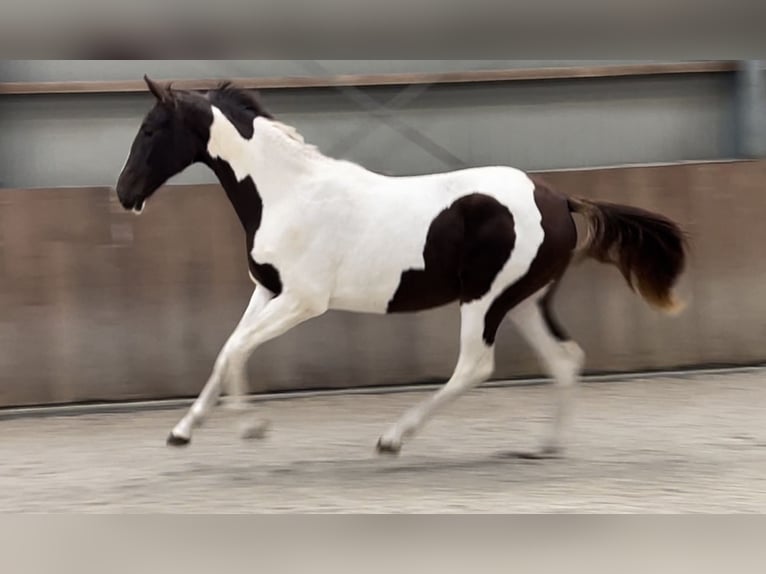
pixel 390 448
pixel 547 453
pixel 535 455
pixel 175 440
pixel 254 430
pixel 552 452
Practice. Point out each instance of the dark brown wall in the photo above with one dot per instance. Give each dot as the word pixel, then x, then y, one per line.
pixel 98 304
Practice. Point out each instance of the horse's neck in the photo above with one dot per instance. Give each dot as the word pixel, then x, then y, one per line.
pixel 243 195
pixel 268 167
pixel 281 160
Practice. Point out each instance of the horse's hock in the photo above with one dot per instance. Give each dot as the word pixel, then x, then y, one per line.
pixel 81 324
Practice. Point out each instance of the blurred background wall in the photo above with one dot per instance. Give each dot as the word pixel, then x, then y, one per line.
pixel 98 304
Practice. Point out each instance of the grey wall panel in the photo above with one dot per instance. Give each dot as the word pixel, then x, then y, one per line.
pixel 561 124
pixel 77 140
pixel 751 109
pixel 82 140
pixel 98 304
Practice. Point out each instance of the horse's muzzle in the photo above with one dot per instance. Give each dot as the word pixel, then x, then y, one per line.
pixel 129 202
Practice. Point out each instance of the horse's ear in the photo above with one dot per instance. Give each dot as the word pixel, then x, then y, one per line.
pixel 163 94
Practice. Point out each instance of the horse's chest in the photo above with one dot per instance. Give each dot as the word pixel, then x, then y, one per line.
pixel 278 240
pixel 272 249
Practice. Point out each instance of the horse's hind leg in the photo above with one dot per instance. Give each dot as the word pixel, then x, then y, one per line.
pixel 561 357
pixel 475 365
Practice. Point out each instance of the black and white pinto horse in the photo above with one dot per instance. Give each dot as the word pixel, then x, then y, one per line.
pixel 328 234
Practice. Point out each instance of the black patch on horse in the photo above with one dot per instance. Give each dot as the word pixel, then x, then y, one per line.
pixel 248 205
pixel 552 259
pixel 546 307
pixel 466 247
pixel 239 106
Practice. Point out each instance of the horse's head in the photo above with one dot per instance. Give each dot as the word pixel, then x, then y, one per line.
pixel 172 136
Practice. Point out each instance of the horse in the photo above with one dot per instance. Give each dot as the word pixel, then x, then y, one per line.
pixel 323 233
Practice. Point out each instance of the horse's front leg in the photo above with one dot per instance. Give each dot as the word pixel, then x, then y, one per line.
pixel 181 433
pixel 277 316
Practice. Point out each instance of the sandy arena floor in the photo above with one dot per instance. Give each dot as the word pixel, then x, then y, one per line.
pixel 672 444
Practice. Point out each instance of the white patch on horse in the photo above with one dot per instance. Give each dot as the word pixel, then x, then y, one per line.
pixel 350 233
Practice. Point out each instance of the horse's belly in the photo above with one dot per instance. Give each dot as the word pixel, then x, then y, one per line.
pixel 368 281
pixel 371 269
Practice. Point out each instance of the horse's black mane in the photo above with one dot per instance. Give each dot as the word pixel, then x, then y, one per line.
pixel 228 93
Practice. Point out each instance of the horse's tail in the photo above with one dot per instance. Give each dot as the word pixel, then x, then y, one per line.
pixel 647 248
